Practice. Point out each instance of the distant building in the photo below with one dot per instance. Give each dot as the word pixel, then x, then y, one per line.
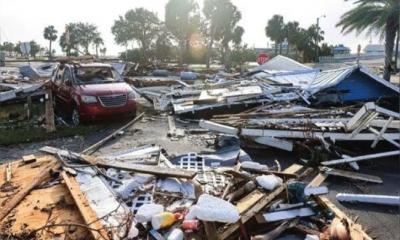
pixel 262 50
pixel 374 49
pixel 340 50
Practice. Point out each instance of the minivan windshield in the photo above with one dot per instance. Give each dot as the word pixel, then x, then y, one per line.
pixel 96 75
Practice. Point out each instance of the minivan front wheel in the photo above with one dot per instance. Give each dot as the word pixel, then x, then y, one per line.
pixel 76 120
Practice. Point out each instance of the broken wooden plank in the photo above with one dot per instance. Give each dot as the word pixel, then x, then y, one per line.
pixel 277 231
pixel 382 135
pixel 147 169
pixel 94 147
pixel 153 170
pixel 249 200
pixel 383 130
pixel 15 199
pixel 49 112
pixel 317 180
pixel 351 175
pixel 354 228
pixel 361 158
pixel 210 230
pixel 89 216
pixel 260 204
pixel 8 173
pixel 28 159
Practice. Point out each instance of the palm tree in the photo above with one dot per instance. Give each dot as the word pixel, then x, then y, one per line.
pixel 375 16
pixel 292 30
pixel 50 33
pixel 97 42
pixel 276 32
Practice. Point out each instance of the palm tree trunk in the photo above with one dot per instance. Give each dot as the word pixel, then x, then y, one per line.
pixel 209 47
pixel 396 55
pixel 181 51
pixel 50 50
pixel 226 56
pixel 390 35
pixel 287 49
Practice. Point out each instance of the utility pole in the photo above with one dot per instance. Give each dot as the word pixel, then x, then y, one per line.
pixel 316 40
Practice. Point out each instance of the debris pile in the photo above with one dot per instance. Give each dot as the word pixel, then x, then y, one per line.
pixel 278 80
pixel 140 193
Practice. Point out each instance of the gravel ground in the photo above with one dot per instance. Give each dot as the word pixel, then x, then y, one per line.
pixel 381 221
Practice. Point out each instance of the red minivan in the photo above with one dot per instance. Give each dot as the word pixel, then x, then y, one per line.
pixel 91 91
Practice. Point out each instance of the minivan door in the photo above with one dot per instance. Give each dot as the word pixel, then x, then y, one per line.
pixel 65 90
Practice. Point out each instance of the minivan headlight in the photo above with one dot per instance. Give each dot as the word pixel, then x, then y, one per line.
pixel 131 95
pixel 89 99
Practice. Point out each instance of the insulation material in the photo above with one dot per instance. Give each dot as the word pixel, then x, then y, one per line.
pixel 269 182
pixel 213 209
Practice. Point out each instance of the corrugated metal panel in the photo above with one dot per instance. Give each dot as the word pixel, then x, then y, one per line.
pixel 281 63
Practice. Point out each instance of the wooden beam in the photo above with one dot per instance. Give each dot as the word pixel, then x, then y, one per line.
pixel 49 108
pixel 211 230
pixel 383 130
pixel 15 199
pixel 8 173
pixel 355 229
pixel 351 175
pixel 83 205
pixel 318 180
pixel 260 204
pixel 153 170
pixel 277 231
pixel 147 169
pixel 94 147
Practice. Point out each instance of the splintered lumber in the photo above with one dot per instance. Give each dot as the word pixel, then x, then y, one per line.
pixel 28 159
pixel 211 230
pixel 153 170
pixel 249 210
pixel 351 175
pixel 38 179
pixel 94 147
pixel 318 180
pixel 33 213
pixel 245 203
pixel 89 216
pixel 356 231
pixel 277 231
pixel 8 172
pixel 49 113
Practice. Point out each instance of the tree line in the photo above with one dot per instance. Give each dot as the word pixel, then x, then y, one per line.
pixel 189 34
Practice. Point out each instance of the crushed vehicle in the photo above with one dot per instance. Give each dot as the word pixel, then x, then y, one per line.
pixel 91 91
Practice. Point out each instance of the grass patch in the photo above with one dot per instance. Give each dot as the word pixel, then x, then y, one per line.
pixel 36 134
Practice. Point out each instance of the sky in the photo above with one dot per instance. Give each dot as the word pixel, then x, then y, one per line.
pixel 24 20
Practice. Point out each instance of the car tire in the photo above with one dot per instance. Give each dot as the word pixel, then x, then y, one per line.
pixel 75 118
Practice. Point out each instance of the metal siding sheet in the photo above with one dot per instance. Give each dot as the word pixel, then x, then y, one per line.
pixel 363 87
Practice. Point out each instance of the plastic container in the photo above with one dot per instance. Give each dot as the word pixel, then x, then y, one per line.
pixel 147 211
pixel 164 219
pixel 188 76
pixel 175 234
pixel 190 225
pixel 160 73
